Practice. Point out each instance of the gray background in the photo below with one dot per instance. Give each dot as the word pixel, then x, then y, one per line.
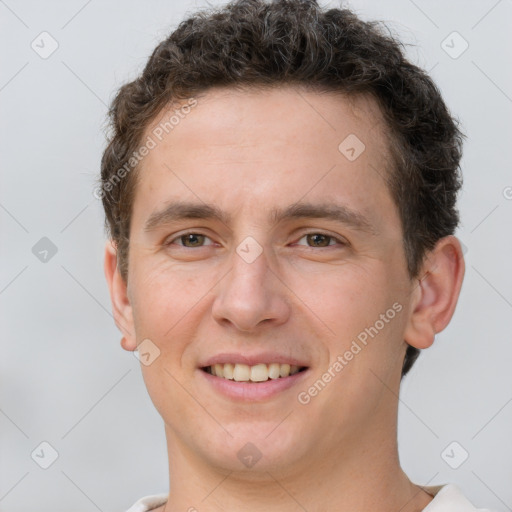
pixel 64 378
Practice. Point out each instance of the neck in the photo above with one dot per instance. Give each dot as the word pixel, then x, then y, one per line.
pixel 354 479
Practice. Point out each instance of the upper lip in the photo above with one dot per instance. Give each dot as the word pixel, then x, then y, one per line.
pixel 252 359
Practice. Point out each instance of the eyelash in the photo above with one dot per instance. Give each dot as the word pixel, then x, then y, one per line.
pixel 331 237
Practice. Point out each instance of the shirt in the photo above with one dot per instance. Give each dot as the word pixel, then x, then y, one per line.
pixel 447 498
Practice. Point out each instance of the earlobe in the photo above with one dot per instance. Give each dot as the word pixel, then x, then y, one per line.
pixel 121 306
pixel 436 293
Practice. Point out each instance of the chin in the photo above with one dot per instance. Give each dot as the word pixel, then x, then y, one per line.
pixel 255 448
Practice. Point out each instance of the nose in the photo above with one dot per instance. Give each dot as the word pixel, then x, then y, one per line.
pixel 251 295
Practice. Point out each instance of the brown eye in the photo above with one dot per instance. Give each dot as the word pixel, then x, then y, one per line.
pixel 192 240
pixel 318 240
pixel 321 240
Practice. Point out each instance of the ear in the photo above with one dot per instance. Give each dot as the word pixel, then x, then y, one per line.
pixel 436 292
pixel 121 306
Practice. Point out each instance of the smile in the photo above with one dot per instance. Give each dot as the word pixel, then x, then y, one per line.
pixel 252 377
pixel 260 372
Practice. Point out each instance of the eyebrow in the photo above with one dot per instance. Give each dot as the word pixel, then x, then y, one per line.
pixel 182 210
pixel 330 211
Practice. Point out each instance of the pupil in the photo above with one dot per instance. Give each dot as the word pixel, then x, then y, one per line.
pixel 319 240
pixel 192 240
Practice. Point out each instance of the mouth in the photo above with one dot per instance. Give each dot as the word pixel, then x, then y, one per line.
pixel 258 373
pixel 252 377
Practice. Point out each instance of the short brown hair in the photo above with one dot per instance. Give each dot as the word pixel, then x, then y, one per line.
pixel 255 43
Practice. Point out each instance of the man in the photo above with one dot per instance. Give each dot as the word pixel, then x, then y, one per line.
pixel 280 190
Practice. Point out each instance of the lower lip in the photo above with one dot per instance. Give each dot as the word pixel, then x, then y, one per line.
pixel 252 391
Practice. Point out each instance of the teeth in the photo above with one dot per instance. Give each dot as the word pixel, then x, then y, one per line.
pixel 219 370
pixel 274 370
pixel 257 373
pixel 284 371
pixel 241 372
pixel 228 370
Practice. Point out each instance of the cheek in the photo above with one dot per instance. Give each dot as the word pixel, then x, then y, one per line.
pixel 362 308
pixel 167 307
pixel 164 296
pixel 345 297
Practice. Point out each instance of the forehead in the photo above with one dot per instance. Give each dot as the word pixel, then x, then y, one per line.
pixel 272 115
pixel 277 144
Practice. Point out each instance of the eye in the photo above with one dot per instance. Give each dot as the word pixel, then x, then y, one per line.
pixel 190 240
pixel 320 240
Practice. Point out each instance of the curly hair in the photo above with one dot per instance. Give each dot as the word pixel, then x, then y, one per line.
pixel 253 43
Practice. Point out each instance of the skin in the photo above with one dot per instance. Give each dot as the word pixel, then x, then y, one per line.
pixel 248 152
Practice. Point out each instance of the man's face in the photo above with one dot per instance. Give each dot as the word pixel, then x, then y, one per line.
pixel 306 267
